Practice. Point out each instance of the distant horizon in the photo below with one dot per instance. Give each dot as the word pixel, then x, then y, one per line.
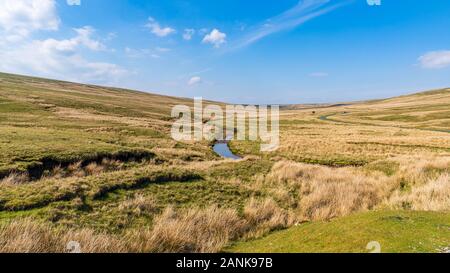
pixel 237 102
pixel 285 52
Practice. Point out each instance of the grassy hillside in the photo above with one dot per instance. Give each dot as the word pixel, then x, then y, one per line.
pixel 426 111
pixel 97 165
pixel 66 122
pixel 396 232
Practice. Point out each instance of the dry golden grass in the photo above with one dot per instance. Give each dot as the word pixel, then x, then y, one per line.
pixel 174 231
pixel 28 236
pixel 193 230
pixel 335 144
pixel 434 195
pixel 355 135
pixel 424 184
pixel 323 193
pixel 263 216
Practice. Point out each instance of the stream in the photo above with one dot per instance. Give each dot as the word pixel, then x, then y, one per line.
pixel 221 148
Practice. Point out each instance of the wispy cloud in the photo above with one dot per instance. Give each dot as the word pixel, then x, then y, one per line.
pixel 304 11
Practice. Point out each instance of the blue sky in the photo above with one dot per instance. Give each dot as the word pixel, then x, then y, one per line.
pixel 285 51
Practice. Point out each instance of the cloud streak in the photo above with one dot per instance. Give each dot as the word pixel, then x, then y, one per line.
pixel 304 11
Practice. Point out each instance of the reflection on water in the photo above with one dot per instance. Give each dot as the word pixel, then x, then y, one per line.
pixel 223 150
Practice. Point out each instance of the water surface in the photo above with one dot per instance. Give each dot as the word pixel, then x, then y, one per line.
pixel 222 149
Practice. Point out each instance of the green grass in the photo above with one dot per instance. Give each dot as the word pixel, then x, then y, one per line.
pixel 396 231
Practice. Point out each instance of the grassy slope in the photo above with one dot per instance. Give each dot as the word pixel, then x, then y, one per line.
pixel 42 118
pixel 426 110
pixel 395 231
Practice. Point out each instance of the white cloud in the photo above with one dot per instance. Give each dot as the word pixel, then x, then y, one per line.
pixel 18 18
pixel 60 59
pixel 156 29
pixel 435 59
pixel 82 39
pixel 216 38
pixel 304 11
pixel 188 33
pixel 194 81
pixel 52 58
pixel 318 74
